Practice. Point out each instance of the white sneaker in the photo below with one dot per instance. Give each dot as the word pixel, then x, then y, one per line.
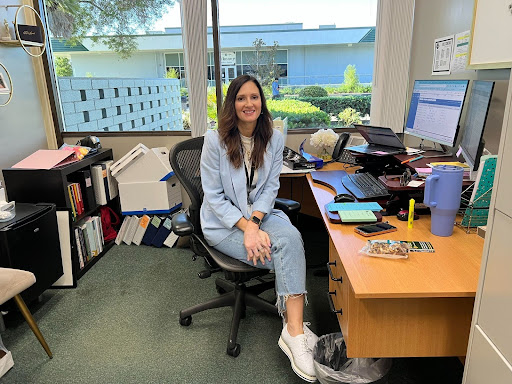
pixel 299 353
pixel 310 335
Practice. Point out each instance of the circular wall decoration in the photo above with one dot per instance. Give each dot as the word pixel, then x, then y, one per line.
pixel 43 48
pixel 3 86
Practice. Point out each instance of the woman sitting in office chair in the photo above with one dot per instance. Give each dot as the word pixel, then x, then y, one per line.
pixel 240 167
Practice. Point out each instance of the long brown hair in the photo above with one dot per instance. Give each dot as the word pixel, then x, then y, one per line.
pixel 228 125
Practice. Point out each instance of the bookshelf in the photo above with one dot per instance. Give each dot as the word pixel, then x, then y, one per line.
pixel 51 186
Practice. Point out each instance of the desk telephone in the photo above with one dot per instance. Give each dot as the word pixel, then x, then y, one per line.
pixel 295 160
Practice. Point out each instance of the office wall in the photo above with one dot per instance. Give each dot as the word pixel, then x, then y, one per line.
pixel 434 19
pixel 21 122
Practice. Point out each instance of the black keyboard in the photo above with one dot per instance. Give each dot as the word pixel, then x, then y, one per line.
pixel 347 157
pixel 364 186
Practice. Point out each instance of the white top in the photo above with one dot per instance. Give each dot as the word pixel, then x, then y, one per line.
pixel 248 145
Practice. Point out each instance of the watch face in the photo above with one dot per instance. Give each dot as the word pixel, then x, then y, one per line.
pixel 256 220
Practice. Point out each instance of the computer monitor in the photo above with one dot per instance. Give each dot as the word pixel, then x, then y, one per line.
pixel 472 143
pixel 435 110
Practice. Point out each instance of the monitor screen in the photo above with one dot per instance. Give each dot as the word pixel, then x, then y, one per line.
pixel 435 110
pixel 476 115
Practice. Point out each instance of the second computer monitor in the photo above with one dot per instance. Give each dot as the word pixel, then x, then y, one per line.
pixel 472 140
pixel 435 110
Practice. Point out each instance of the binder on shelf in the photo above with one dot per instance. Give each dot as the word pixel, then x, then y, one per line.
pixel 88 248
pixel 97 231
pixel 122 230
pixel 130 232
pixel 113 191
pixel 98 184
pixel 141 229
pixel 162 233
pixel 152 230
pixel 83 178
pixel 71 202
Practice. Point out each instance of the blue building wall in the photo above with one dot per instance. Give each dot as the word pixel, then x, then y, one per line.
pixel 325 64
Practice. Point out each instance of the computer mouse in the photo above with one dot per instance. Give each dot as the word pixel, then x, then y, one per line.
pixel 344 198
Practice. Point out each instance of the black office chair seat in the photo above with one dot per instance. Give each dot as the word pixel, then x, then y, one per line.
pixel 185 161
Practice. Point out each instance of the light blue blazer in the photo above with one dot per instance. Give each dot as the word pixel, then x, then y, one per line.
pixel 225 187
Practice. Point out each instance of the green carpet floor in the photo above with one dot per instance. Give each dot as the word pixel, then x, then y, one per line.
pixel 121 326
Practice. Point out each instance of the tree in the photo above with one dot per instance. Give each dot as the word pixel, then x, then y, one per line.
pixel 263 62
pixel 350 79
pixel 63 67
pixel 112 22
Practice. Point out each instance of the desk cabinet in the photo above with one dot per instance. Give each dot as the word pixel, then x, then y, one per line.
pixel 387 327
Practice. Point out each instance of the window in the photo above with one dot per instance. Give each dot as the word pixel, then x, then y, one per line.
pixel 322 56
pixel 120 83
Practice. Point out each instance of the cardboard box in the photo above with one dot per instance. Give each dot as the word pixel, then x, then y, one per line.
pixel 150 197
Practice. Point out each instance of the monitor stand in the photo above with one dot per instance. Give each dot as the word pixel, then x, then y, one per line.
pixel 444 152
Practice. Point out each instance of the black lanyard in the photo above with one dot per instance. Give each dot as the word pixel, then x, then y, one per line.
pixel 248 178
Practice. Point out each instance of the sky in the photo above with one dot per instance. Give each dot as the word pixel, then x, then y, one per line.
pixel 312 13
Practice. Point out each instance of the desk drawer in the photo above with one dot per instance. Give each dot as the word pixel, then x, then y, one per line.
pixel 341 289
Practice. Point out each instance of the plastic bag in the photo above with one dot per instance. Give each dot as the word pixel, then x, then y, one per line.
pixel 333 366
pixel 389 249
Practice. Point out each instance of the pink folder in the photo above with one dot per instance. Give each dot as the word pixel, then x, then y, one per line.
pixel 45 159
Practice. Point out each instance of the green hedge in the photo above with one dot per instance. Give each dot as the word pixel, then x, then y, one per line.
pixel 313 91
pixel 335 105
pixel 300 114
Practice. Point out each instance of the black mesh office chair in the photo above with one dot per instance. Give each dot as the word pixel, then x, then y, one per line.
pixel 185 160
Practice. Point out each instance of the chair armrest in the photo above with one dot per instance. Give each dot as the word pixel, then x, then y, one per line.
pixel 181 224
pixel 287 206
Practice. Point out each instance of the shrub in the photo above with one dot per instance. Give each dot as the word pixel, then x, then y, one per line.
pixel 300 114
pixel 313 91
pixel 289 91
pixel 349 117
pixel 171 73
pixel 63 67
pixel 350 79
pixel 335 105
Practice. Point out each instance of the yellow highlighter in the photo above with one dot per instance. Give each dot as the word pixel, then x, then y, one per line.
pixel 411 213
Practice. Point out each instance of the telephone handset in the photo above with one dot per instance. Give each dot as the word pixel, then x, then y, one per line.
pixel 340 145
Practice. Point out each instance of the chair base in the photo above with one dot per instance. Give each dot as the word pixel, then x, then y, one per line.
pixel 238 296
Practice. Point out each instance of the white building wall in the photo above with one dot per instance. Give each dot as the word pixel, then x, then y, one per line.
pixel 140 64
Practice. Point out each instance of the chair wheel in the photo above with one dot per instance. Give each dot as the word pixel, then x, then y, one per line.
pixel 204 274
pixel 186 321
pixel 235 351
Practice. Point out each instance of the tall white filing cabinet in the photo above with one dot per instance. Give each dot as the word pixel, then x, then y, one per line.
pixel 489 358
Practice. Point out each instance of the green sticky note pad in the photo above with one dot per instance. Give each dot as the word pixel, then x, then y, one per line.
pixel 360 216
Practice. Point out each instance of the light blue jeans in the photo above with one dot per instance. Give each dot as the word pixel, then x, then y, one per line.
pixel 287 257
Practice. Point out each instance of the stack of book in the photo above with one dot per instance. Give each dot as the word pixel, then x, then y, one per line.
pixel 89 239
pixel 76 200
pixel 154 230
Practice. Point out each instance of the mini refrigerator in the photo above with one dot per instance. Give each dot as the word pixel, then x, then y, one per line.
pixel 30 241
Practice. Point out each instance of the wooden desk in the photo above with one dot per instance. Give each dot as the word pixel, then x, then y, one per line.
pixel 421 306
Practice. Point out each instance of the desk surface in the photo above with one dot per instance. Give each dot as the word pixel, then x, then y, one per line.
pixel 451 271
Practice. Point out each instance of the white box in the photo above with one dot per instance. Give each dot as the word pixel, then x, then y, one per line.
pixel 143 165
pixel 150 197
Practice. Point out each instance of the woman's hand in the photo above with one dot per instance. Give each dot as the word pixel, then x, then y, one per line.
pixel 257 244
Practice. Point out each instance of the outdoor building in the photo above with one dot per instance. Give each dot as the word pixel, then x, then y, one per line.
pixel 305 56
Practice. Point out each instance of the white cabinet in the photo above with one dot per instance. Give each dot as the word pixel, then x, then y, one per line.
pixel 495 314
pixel 487 366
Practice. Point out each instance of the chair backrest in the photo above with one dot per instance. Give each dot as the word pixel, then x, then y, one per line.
pixel 185 159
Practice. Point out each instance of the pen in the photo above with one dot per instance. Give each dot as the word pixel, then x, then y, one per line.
pixel 417 158
pixel 406 161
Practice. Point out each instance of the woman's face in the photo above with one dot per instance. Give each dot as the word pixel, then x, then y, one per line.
pixel 248 105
